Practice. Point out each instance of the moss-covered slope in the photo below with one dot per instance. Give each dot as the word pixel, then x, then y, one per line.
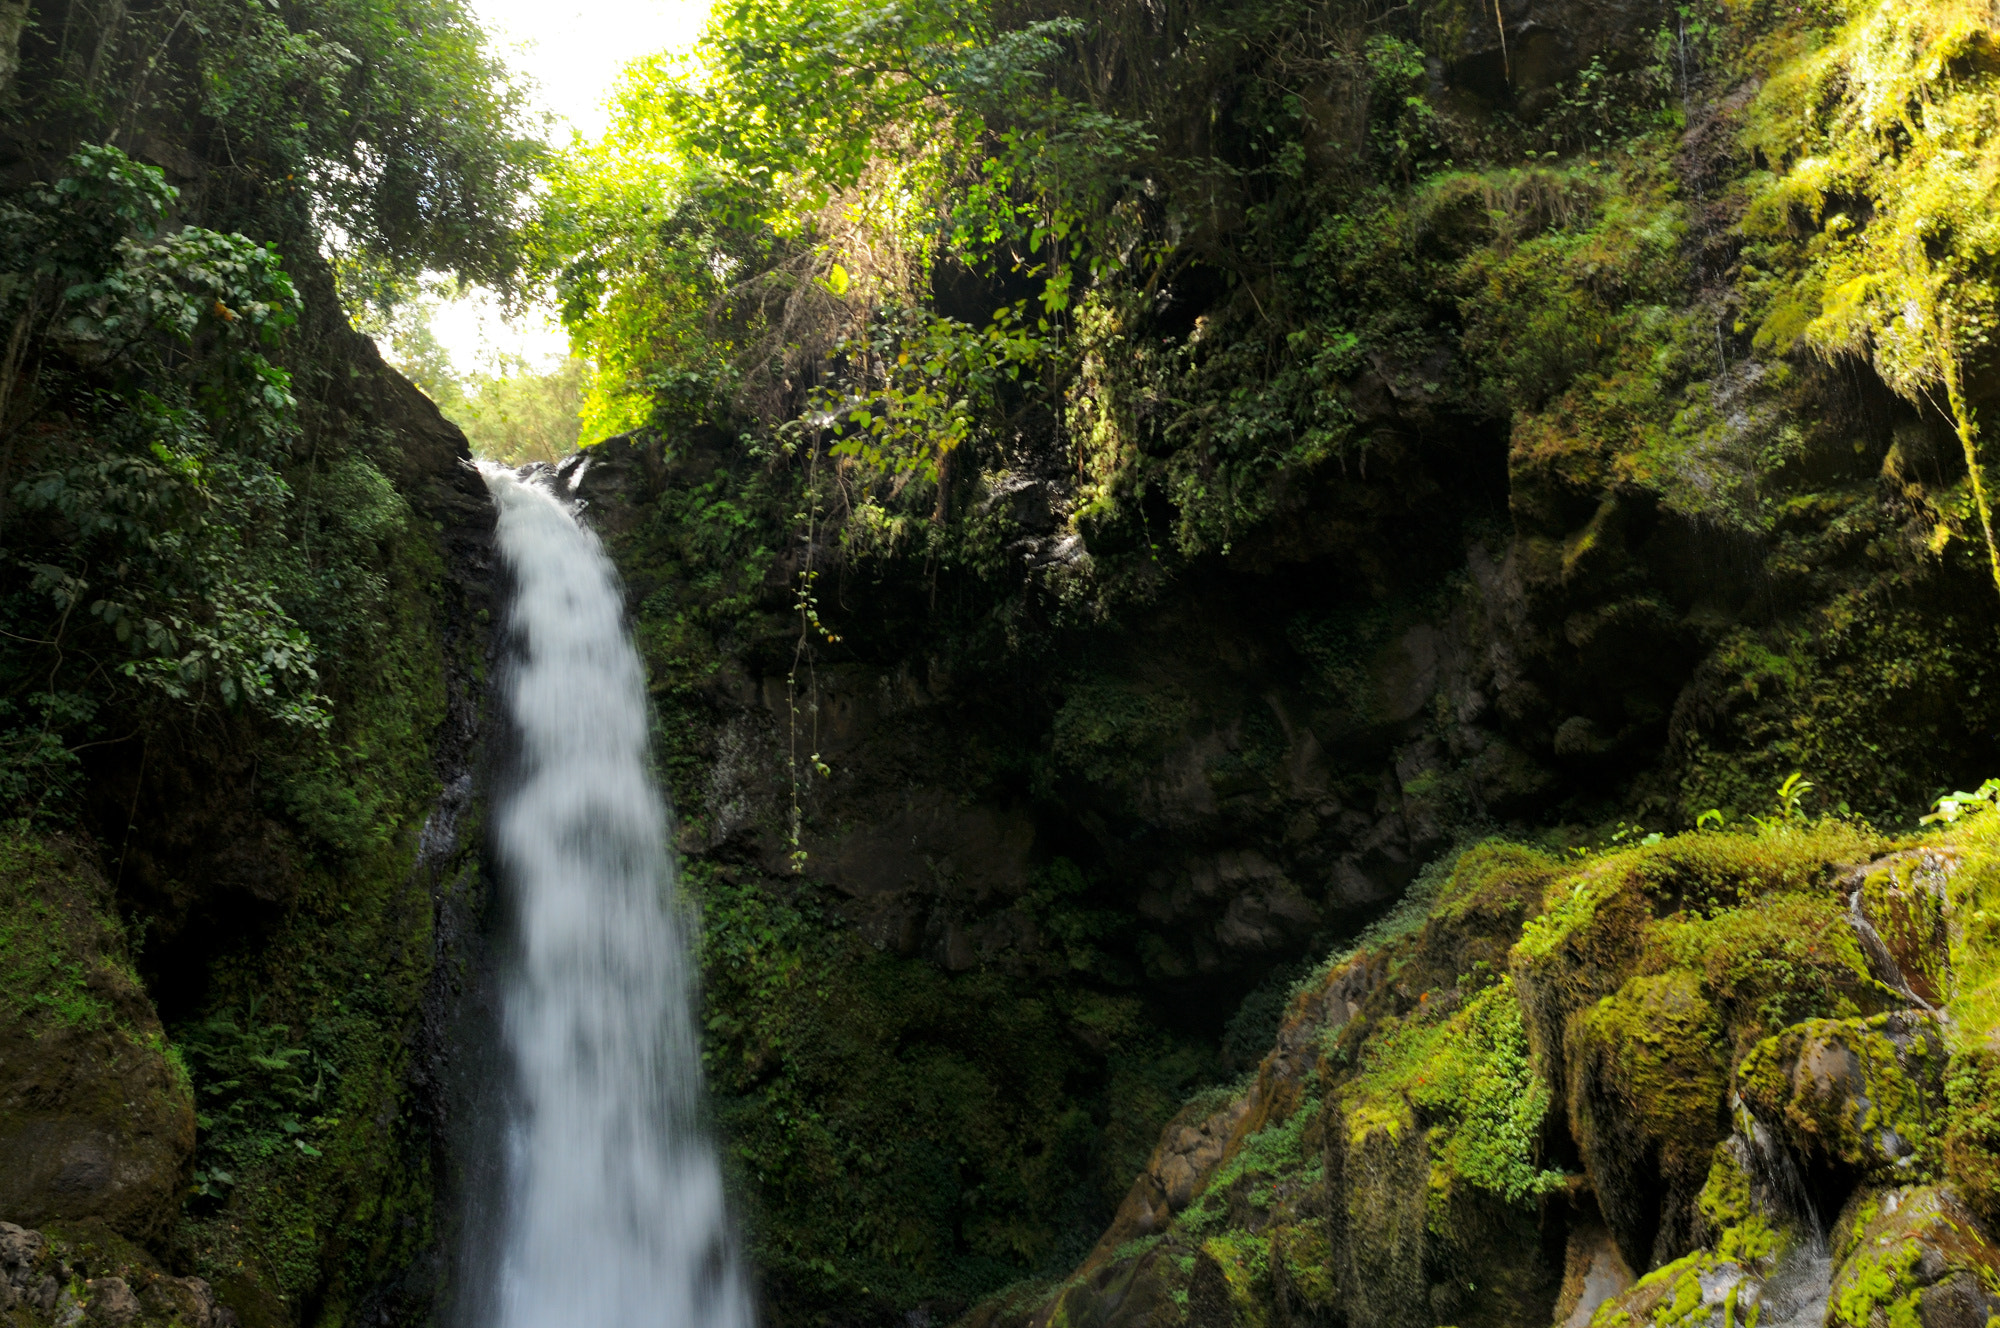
pixel 1674 1060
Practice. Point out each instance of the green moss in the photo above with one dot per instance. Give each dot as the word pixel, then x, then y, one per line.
pixel 1494 877
pixel 1877 1281
pixel 904 1135
pixel 1468 1076
pixel 1738 1232
pixel 1725 1196
pixel 1836 1087
pixel 1773 962
pixel 1900 1242
pixel 1972 907
pixel 1656 1045
pixel 1109 731
pixel 56 931
pixel 1245 1260
pixel 1970 1142
pixel 1305 1251
pixel 1568 907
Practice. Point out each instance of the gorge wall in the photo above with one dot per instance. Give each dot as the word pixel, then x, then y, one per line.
pixel 1025 808
pixel 1281 824
pixel 246 590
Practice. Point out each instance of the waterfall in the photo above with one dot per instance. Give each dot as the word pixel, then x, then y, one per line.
pixel 612 1210
pixel 1795 1293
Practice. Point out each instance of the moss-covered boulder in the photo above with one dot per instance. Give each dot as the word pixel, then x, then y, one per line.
pixel 1647 1102
pixel 1380 1161
pixel 1900 902
pixel 96 1117
pixel 1619 1090
pixel 1649 972
pixel 1862 1095
pixel 1760 1255
pixel 1910 1256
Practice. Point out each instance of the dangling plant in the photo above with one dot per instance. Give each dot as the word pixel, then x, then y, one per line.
pixel 1887 185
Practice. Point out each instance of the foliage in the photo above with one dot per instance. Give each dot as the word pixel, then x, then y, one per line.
pixel 1949 807
pixel 1107 731
pixel 224 626
pixel 158 496
pixel 1468 1074
pixel 519 414
pixel 251 1092
pixel 913 390
pixel 388 124
pixel 1876 218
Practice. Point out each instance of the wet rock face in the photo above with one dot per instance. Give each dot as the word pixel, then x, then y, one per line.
pixel 1593 1272
pixel 1899 904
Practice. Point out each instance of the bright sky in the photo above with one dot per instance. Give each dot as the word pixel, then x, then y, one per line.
pixel 573 51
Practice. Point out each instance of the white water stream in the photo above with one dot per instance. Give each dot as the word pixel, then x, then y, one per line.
pixel 612 1213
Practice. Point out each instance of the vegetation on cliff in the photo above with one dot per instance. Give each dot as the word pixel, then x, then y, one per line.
pixel 1263 446
pixel 1120 503
pixel 239 642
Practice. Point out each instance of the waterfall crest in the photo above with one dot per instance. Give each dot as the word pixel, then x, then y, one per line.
pixel 612 1213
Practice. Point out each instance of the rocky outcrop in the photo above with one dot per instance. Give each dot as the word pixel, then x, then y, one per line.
pixel 1196 1141
pixel 1683 1151
pixel 1858 1096
pixel 95 1120
pixel 1913 1254
pixel 1238 808
pixel 85 1275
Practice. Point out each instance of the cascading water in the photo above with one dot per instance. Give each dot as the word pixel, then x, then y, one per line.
pixel 1796 1292
pixel 612 1212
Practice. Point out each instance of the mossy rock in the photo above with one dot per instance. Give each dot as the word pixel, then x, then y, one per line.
pixel 1304 1282
pixel 1493 889
pixel 1147 1290
pixel 1972 928
pixel 1648 1093
pixel 1378 1164
pixel 1969 1141
pixel 1862 1095
pixel 1485 1264
pixel 1903 898
pixel 1242 1259
pixel 1913 1256
pixel 1713 892
pixel 1739 1218
pixel 65 1274
pixel 96 1116
pixel 1698 1290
